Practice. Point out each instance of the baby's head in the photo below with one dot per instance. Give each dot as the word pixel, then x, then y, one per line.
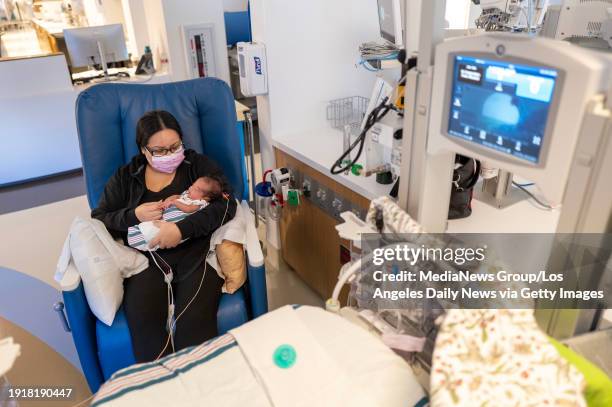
pixel 205 188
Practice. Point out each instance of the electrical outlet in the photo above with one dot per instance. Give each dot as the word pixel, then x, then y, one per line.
pixel 320 196
pixel 306 185
pixel 323 197
pixel 339 204
pixel 296 178
pixel 358 211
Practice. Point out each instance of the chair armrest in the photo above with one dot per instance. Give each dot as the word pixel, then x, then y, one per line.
pixel 256 270
pixel 257 290
pixel 232 311
pixel 83 327
pixel 253 247
pixel 70 280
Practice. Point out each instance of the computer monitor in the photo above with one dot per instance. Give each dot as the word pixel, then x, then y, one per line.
pixel 501 105
pixel 390 20
pixel 97 45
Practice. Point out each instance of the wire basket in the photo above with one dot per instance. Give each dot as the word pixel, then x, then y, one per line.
pixel 347 111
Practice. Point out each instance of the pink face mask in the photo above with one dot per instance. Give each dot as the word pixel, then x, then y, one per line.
pixel 168 163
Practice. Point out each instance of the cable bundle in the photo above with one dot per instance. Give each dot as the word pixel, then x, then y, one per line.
pixel 372 53
pixel 378 51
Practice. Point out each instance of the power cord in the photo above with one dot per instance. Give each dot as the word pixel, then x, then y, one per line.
pixel 128 80
pixel 168 277
pixel 173 322
pixel 374 117
pixel 532 196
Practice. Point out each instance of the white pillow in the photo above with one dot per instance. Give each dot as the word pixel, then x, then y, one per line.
pixel 102 264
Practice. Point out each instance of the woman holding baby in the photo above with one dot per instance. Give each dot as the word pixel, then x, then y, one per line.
pixel 140 192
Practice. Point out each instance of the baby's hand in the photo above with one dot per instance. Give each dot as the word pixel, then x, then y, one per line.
pixel 168 202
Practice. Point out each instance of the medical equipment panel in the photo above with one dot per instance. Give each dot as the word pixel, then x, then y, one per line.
pixel 511 89
pixel 587 23
pixel 311 245
pixel 501 106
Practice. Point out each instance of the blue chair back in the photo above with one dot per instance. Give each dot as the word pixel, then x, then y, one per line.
pixel 107 114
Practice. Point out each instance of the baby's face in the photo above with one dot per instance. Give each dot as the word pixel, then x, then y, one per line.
pixel 201 189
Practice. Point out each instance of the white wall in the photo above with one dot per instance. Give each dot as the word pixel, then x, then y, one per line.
pixel 458 13
pixel 235 5
pixel 156 29
pixel 136 25
pixel 101 12
pixel 312 52
pixel 473 15
pixel 165 19
pixel 38 124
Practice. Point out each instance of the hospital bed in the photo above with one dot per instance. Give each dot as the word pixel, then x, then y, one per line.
pixel 293 356
pixel 106 117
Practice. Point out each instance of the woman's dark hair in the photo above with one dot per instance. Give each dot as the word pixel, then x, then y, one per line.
pixel 152 122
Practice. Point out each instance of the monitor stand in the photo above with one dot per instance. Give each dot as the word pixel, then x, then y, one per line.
pixel 106 77
pixel 499 192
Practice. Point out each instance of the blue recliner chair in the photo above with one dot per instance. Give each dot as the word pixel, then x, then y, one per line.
pixel 106 121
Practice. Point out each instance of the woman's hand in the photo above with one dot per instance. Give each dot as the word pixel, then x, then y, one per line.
pixel 149 211
pixel 169 235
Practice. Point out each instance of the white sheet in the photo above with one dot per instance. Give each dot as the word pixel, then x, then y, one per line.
pixel 315 379
pixel 337 364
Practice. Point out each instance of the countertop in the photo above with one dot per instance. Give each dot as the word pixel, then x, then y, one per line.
pixel 159 77
pixel 522 217
pixel 52 27
pixel 319 149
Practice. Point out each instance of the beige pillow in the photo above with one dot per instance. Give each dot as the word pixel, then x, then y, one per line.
pixel 232 263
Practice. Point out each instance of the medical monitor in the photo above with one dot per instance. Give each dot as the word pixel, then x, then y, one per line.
pixel 84 45
pixel 503 106
pixel 390 20
pixel 515 102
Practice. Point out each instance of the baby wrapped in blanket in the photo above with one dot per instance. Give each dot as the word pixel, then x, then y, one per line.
pixel 176 208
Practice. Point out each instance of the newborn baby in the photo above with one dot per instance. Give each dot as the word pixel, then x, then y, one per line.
pixel 176 208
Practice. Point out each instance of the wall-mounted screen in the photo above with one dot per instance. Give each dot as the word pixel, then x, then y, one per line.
pixel 391 22
pixel 500 105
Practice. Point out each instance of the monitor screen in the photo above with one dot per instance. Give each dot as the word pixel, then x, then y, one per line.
pixel 388 20
pixel 501 106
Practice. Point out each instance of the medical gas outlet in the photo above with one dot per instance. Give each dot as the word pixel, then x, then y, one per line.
pixel 384 150
pixel 278 191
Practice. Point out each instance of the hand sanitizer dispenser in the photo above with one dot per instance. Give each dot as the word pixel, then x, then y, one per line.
pixel 253 69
